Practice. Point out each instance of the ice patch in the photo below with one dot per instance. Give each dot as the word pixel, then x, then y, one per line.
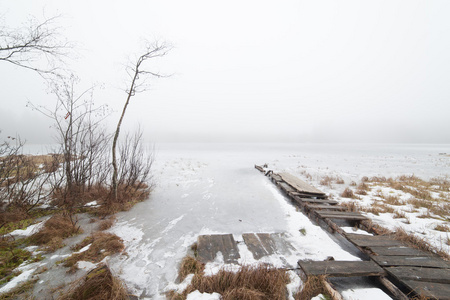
pixel 172 224
pixel 127 232
pixel 179 288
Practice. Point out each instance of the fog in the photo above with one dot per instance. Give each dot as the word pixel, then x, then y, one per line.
pixel 251 71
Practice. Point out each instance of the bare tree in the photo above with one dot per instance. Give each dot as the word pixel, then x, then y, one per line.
pixel 27 46
pixel 137 84
pixel 81 136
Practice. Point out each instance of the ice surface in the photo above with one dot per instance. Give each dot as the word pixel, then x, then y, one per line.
pixel 214 188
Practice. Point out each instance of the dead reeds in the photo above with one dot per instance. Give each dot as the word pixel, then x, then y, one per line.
pixel 250 282
pixel 314 285
pixel 54 231
pixel 98 284
pixel 102 244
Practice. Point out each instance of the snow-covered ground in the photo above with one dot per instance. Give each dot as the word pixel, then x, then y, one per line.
pixel 214 188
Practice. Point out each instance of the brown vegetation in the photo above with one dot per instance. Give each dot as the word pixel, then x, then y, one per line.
pixel 54 231
pixel 347 193
pixel 190 265
pixel 313 286
pixel 260 282
pixel 98 284
pixel 102 244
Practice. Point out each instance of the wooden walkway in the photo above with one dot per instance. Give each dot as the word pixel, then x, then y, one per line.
pixel 404 271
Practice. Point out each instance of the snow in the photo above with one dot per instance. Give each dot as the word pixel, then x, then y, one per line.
pixel 29 230
pixel 92 203
pixel 214 189
pixel 21 278
pixel 196 295
pixel 86 265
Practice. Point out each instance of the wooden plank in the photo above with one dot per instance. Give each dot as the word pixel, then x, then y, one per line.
pixel 208 247
pixel 267 242
pixel 341 268
pixel 397 251
pixel 340 215
pixel 395 291
pixel 259 168
pixel 412 261
pixel 363 240
pixel 254 245
pixel 307 195
pixel 286 187
pixel 431 290
pixel 325 207
pixel 276 177
pixel 282 245
pixel 420 274
pixel 311 200
pixel 300 185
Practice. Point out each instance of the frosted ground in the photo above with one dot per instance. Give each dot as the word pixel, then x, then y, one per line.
pixel 214 188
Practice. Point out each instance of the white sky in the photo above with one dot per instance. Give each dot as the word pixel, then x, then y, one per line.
pixel 302 71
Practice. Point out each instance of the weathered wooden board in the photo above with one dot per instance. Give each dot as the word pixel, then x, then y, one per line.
pixel 363 240
pixel 264 244
pixel 259 168
pixel 307 195
pixel 208 246
pixel 276 177
pixel 340 215
pixel 397 251
pixel 341 268
pixel 299 185
pixel 412 261
pixel 325 207
pixel 311 200
pixel 420 274
pixel 431 290
pixel 286 187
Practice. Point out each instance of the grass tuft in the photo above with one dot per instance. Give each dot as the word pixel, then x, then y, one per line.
pixel 313 286
pixel 97 284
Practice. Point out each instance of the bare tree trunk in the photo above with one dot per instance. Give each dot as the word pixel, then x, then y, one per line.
pixel 116 135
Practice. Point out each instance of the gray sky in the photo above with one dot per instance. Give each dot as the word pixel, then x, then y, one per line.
pixel 300 71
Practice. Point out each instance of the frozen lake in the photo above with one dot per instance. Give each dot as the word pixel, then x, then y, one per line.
pixel 214 188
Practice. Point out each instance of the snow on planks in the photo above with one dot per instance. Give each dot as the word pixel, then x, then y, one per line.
pixel 266 244
pixel 341 268
pixel 299 185
pixel 209 246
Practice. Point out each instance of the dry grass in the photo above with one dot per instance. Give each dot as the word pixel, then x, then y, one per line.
pixel 443 228
pixel 260 282
pixel 102 244
pixel 22 291
pixel 418 242
pixel 348 193
pixel 98 284
pixel 328 180
pixel 313 286
pixel 54 231
pixel 106 223
pixel 190 265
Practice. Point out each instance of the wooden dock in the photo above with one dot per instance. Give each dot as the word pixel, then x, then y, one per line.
pixel 406 272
